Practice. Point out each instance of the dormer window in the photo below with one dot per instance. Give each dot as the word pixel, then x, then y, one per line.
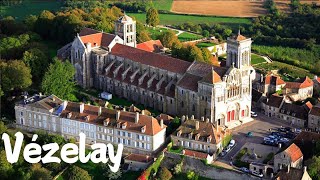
pixel 124 125
pixel 106 122
pixel 87 118
pixel 190 135
pixel 69 115
pixel 143 129
pixel 118 125
pixel 196 137
pixel 209 139
pixel 179 133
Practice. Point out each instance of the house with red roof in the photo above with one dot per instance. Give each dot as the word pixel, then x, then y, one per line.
pixel 290 157
pixel 299 90
pixel 270 84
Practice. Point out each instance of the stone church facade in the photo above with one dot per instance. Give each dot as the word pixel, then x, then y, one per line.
pixel 111 62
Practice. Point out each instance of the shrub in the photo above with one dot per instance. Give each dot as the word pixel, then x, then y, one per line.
pixel 164 174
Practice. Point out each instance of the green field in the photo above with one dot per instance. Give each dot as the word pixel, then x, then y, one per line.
pixel 205 44
pixel 163 4
pixel 174 19
pixel 188 37
pixel 155 32
pixel 256 59
pixel 28 7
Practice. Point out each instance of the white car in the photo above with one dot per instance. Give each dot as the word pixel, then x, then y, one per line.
pixel 232 143
pixel 254 114
pixel 227 149
pixel 257 174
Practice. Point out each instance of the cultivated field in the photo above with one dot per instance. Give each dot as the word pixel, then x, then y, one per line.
pixel 219 8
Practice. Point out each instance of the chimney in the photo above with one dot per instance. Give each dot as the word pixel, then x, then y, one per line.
pixel 288 169
pixel 192 117
pixel 261 78
pixel 187 117
pixel 202 118
pixel 207 120
pixel 304 169
pixel 64 105
pixel 161 123
pixel 279 145
pixel 315 77
pixel 117 115
pixel 217 125
pixel 124 109
pixel 197 125
pixel 69 115
pixel 136 119
pixel 99 111
pixel 142 112
pixel 81 107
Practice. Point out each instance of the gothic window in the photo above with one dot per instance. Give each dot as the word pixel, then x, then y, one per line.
pixel 193 107
pixel 181 91
pixel 182 104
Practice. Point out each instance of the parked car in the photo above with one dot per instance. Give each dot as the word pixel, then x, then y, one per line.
pixel 249 134
pixel 283 140
pixel 223 153
pixel 244 169
pixel 282 129
pixel 227 149
pixel 254 114
pixel 257 174
pixel 232 143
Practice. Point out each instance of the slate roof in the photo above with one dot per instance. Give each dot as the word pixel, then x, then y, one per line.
pixel 294 110
pixel 274 101
pixel 315 111
pixel 294 174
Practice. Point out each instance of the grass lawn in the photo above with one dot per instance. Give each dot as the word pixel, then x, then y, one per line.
pixel 256 59
pixel 28 7
pixel 173 19
pixel 205 44
pixel 188 37
pixel 155 32
pixel 163 4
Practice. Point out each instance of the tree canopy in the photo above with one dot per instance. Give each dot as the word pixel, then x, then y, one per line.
pixel 152 17
pixel 76 173
pixel 59 80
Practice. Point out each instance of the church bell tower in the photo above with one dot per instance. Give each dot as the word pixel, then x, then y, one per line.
pixel 238 51
pixel 125 28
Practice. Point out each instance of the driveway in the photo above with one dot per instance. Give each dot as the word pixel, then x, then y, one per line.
pixel 259 127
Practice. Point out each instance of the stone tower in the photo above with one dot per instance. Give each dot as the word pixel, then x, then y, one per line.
pixel 239 51
pixel 125 27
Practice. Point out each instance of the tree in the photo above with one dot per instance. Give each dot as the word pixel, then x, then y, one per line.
pixel 3 127
pixel 206 33
pixel 314 168
pixel 207 56
pixel 14 75
pixel 192 175
pixel 168 38
pixel 40 173
pixel 152 18
pixel 30 21
pixel 37 61
pixel 113 175
pixel 44 23
pixel 77 173
pixel 143 36
pixel 164 174
pixel 59 80
pixel 5 166
pixel 195 53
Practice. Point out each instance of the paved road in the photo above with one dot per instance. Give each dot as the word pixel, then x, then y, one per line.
pixel 259 127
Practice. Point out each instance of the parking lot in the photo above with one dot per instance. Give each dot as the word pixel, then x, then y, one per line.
pixel 260 128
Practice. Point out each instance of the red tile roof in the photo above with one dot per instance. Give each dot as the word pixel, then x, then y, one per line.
pixel 294 152
pixel 302 83
pixel 151 59
pixel 273 80
pixel 309 105
pixel 151 46
pixel 98 39
pixel 196 154
pixel 190 82
pixel 139 158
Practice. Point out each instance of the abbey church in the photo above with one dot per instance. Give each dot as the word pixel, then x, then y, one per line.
pixel 112 63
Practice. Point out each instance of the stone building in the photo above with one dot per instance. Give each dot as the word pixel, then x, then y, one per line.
pixel 199 135
pixel 270 84
pixel 110 63
pixel 299 90
pixel 139 133
pixel 290 157
pixel 293 174
pixel 295 114
pixel 271 106
pixel 314 119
